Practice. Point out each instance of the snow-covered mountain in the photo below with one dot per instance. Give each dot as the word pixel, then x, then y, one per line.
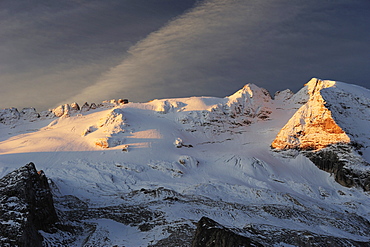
pixel 140 174
pixel 334 123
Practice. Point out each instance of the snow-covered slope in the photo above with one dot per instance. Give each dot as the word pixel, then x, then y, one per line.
pixel 142 174
pixel 350 106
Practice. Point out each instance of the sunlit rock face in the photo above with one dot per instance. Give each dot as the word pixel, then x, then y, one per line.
pixel 66 109
pixel 313 126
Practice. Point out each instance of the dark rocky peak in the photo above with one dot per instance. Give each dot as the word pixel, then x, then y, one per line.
pixel 26 206
pixel 211 234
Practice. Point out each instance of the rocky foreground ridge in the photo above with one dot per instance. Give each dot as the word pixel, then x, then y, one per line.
pixel 28 218
pixel 26 207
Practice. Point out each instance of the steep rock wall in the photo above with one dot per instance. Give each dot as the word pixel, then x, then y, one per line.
pixel 26 206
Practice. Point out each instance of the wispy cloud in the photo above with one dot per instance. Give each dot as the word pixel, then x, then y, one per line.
pixel 50 50
pixel 222 44
pixel 79 50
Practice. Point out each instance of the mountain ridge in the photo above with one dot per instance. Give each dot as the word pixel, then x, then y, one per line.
pixel 169 162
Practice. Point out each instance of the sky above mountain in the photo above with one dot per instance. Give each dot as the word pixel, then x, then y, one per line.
pixel 54 52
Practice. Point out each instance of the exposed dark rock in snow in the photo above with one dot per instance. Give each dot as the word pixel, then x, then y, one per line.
pixel 180 236
pixel 26 206
pixel 93 106
pixel 9 116
pixel 74 107
pixel 29 114
pixel 346 166
pixel 302 238
pixel 210 233
pixel 122 101
pixel 85 107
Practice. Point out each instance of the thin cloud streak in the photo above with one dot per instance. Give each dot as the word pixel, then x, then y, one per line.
pixel 56 52
pixel 50 50
pixel 194 53
pixel 221 45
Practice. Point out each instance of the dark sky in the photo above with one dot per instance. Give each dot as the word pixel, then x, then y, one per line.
pixel 54 52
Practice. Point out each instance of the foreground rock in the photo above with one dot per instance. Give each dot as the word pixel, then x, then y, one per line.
pixel 210 233
pixel 26 206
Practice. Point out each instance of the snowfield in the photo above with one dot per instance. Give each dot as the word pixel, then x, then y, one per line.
pixel 166 163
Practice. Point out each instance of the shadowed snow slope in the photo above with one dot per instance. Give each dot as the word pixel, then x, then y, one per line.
pixel 154 169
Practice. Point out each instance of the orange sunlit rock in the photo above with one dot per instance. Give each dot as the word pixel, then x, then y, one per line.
pixel 312 126
pixel 102 142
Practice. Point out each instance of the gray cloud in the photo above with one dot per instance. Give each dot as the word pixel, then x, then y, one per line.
pixel 213 49
pixel 49 50
pixel 221 45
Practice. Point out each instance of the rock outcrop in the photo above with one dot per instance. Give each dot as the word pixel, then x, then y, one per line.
pixel 212 234
pixel 26 206
pixel 66 110
pixel 9 116
pixel 30 114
